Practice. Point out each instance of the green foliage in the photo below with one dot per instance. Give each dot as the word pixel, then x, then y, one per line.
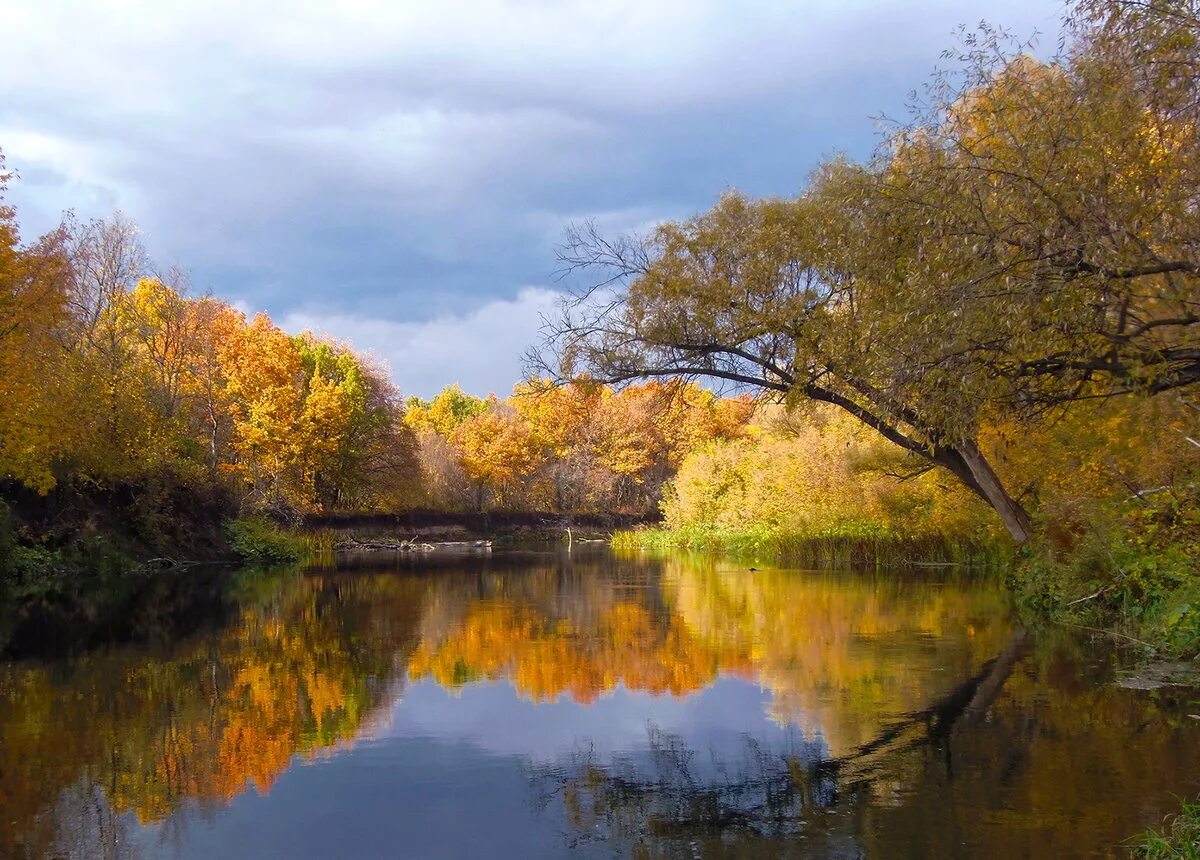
pixel 1178 840
pixel 259 540
pixel 449 408
pixel 1131 564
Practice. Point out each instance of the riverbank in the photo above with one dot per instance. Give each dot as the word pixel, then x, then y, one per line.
pixel 1132 574
pixel 1130 571
pixel 87 563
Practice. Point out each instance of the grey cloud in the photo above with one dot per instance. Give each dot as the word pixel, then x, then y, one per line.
pixel 418 160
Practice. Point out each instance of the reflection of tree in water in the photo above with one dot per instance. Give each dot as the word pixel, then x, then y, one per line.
pixel 672 792
pixel 672 795
pixel 1023 758
pixel 842 653
pixel 142 732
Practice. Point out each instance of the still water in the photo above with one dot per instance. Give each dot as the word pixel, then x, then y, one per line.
pixel 547 705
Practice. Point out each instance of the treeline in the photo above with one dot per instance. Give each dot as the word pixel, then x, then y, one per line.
pixel 577 447
pixel 111 373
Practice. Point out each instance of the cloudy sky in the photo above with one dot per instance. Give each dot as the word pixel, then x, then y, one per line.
pixel 397 173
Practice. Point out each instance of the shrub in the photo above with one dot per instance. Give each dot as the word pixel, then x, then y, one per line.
pixel 259 539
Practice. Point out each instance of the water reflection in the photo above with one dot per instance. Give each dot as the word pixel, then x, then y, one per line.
pixel 543 705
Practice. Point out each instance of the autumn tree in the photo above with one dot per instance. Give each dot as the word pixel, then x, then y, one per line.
pixel 561 422
pixel 449 408
pixel 498 452
pixel 358 449
pixel 34 285
pixel 1028 241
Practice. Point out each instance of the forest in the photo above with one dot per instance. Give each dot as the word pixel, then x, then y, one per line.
pixel 981 342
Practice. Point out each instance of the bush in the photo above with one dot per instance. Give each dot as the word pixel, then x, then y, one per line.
pixel 1132 567
pixel 258 539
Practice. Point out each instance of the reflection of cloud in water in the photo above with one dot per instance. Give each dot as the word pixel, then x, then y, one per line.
pixel 495 717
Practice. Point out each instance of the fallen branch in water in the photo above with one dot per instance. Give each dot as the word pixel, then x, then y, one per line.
pixel 1109 633
pixel 166 563
pixel 412 545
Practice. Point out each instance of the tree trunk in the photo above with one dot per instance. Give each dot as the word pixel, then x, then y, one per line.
pixel 967 462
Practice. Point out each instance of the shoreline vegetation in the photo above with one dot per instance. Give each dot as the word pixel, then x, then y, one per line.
pixel 1178 839
pixel 868 546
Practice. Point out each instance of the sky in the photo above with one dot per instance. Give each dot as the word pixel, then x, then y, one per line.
pixel 397 174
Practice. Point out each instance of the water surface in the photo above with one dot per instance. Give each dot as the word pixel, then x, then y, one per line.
pixel 546 705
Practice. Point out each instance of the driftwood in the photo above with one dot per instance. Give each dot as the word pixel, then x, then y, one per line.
pixel 352 544
pixel 165 563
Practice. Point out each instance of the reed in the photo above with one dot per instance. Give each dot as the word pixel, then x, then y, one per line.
pixel 1178 840
pixel 851 546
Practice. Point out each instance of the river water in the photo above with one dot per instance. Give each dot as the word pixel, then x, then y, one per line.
pixel 530 704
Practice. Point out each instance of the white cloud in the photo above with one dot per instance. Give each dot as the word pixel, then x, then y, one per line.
pixel 481 350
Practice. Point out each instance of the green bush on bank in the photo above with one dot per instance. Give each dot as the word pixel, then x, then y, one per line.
pixel 1132 568
pixel 260 540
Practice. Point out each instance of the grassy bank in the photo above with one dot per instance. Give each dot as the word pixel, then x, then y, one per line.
pixel 855 545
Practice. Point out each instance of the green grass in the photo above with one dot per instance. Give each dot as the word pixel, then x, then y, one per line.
pixel 1178 840
pixel 852 545
pixel 259 540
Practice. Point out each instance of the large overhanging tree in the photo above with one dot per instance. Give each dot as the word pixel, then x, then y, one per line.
pixel 1029 240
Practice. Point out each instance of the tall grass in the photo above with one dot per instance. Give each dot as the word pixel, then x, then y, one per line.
pixel 1178 840
pixel 852 545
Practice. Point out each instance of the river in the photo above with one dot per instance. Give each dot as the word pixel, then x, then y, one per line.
pixel 546 704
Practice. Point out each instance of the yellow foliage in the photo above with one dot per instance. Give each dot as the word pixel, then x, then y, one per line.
pixel 809 473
